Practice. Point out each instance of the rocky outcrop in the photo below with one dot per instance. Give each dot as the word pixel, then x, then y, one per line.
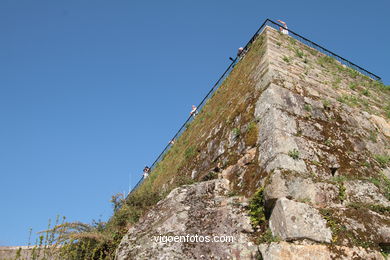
pixel 202 210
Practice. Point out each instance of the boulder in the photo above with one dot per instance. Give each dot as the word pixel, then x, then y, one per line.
pixel 292 220
pixel 200 209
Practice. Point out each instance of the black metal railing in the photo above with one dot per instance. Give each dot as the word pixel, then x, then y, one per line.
pixel 324 50
pixel 272 24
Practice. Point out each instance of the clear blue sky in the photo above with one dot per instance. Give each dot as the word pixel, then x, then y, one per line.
pixel 91 91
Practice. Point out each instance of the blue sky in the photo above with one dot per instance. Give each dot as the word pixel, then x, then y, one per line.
pixel 92 91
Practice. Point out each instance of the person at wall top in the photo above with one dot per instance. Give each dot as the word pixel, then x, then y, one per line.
pixel 146 172
pixel 240 51
pixel 194 111
pixel 285 29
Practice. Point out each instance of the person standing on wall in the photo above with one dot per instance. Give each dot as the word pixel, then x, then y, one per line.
pixel 285 29
pixel 194 111
pixel 146 172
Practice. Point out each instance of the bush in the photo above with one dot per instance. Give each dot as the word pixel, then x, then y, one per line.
pixel 294 154
pixel 256 208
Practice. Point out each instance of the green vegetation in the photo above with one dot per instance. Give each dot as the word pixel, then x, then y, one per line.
pixel 332 223
pixel 325 60
pixel 256 208
pixel 231 194
pixel 352 73
pixel 286 59
pixel 374 207
pixel 352 85
pixel 366 164
pixel 342 194
pixel 348 100
pixel 99 239
pixel 328 142
pixel 326 103
pixel 365 92
pixel 189 152
pixel 210 176
pixel 339 179
pixel 373 136
pixel 236 132
pixel 307 107
pixel 383 183
pixel 387 110
pixel 381 86
pixel 251 134
pixel 299 53
pixel 385 250
pixel 267 237
pixel 336 83
pixel 292 40
pixel 382 159
pixel 304 200
pixel 294 154
pixel 317 163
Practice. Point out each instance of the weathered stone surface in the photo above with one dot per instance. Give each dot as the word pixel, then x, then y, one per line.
pixel 287 251
pixel 283 161
pixel 200 209
pixel 28 252
pixel 292 220
pixel 382 124
pixel 247 158
pixel 365 224
pixel 276 188
pixel 364 192
pixel 301 189
pixel 277 129
pixel 386 172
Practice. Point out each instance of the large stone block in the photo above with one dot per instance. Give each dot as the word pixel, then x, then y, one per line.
pixel 364 192
pixel 292 220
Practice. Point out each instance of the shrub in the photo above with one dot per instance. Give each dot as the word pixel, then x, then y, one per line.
pixel 286 59
pixel 342 194
pixel 299 53
pixel 294 154
pixel 324 60
pixel 326 103
pixel 307 107
pixel 256 208
pixel 236 132
pixel 352 85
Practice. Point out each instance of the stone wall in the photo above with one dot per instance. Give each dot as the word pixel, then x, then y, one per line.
pixel 25 253
pixel 320 154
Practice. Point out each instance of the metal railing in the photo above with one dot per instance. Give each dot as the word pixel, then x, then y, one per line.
pixel 324 50
pixel 272 24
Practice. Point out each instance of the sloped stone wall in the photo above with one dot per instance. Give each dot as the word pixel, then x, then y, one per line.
pixel 321 128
